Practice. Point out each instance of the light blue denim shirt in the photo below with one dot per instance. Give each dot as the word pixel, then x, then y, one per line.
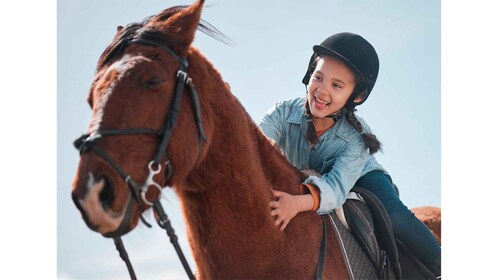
pixel 340 155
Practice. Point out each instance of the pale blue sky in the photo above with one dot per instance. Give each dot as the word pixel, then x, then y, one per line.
pixel 272 42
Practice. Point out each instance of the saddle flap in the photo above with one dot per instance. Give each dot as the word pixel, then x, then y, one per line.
pixel 360 222
pixel 370 224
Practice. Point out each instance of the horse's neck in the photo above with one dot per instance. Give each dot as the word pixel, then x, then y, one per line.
pixel 229 220
pixel 234 181
pixel 227 206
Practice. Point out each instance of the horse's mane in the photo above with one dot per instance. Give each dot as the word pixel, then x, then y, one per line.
pixel 135 31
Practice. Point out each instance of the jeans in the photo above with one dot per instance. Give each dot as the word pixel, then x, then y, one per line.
pixel 407 228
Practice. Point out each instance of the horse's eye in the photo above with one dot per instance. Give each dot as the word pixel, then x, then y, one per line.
pixel 152 83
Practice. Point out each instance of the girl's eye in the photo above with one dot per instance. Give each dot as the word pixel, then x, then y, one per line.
pixel 317 77
pixel 336 85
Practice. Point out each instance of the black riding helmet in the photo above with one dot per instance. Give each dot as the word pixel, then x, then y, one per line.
pixel 358 54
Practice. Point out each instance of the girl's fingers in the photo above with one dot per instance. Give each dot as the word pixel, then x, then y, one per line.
pixel 275 204
pixel 284 225
pixel 274 213
pixel 282 222
pixel 277 193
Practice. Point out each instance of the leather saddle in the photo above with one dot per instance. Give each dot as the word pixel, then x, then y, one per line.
pixel 369 223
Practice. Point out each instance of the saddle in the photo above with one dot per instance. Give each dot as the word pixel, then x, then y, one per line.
pixel 369 223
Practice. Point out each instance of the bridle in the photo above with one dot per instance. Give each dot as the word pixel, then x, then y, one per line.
pixel 139 192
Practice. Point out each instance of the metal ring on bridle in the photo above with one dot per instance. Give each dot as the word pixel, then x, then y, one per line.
pixel 150 182
pixel 88 141
pixel 144 191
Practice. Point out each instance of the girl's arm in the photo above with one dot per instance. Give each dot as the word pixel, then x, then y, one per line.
pixel 335 185
pixel 271 124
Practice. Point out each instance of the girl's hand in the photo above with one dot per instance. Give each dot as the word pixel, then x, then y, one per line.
pixel 287 206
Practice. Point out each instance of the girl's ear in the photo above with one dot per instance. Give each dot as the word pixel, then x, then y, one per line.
pixel 363 89
pixel 360 96
pixel 358 99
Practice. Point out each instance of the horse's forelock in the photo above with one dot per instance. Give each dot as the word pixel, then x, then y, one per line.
pixel 133 31
pixel 119 43
pixel 144 30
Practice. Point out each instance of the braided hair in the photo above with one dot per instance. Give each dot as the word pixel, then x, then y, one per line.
pixel 310 131
pixel 371 142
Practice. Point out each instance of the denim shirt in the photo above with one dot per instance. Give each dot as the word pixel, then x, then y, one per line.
pixel 340 155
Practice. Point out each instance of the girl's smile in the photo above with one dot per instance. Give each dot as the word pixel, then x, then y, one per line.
pixel 321 104
pixel 331 84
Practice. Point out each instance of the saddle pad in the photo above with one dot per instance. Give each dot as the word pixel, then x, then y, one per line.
pixel 358 264
pixel 339 211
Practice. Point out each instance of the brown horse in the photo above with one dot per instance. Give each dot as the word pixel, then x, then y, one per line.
pixel 431 217
pixel 212 153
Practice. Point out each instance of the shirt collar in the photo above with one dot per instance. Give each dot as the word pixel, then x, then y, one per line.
pixel 341 128
pixel 297 116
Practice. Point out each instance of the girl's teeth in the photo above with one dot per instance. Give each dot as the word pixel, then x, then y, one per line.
pixel 321 101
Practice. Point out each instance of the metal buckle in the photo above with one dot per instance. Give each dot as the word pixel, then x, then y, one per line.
pixel 150 182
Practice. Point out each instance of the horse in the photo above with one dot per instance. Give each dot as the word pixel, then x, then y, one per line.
pixel 431 217
pixel 144 136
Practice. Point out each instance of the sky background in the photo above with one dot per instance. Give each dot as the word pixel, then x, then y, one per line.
pixel 49 51
pixel 270 48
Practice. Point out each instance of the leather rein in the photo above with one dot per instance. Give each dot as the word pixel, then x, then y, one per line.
pixel 89 142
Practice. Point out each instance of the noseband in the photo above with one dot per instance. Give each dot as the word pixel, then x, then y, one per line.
pixel 89 142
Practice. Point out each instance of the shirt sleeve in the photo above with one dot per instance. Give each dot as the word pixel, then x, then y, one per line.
pixel 335 185
pixel 271 123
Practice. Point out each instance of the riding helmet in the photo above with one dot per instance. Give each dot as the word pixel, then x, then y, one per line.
pixel 357 53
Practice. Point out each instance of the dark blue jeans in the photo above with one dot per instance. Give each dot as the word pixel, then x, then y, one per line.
pixel 412 232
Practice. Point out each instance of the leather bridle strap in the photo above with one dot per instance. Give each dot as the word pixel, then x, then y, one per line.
pixel 124 256
pixel 164 222
pixel 152 43
pixel 88 141
pixel 182 80
pixel 171 120
pixel 323 249
pixel 195 102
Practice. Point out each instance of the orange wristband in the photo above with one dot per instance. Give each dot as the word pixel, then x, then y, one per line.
pixel 315 193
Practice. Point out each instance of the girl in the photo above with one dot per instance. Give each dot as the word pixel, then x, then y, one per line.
pixel 321 132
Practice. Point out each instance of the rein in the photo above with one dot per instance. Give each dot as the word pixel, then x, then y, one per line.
pixel 88 142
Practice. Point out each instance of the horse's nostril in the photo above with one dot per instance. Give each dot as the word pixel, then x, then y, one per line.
pixel 106 196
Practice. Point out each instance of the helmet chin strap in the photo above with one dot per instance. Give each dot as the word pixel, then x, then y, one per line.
pixel 336 116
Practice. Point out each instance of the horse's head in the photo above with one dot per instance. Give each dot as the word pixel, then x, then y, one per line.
pixel 144 107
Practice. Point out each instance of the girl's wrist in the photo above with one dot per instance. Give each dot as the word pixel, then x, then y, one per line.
pixel 305 202
pixel 314 192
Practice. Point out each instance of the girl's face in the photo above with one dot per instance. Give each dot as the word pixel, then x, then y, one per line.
pixel 330 86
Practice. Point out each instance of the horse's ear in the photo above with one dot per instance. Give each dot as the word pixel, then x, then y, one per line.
pixel 181 26
pixel 118 30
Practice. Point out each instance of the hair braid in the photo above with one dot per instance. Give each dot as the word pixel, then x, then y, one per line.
pixel 310 131
pixel 371 140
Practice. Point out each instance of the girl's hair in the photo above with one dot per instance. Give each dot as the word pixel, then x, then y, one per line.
pixel 371 142
pixel 310 131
